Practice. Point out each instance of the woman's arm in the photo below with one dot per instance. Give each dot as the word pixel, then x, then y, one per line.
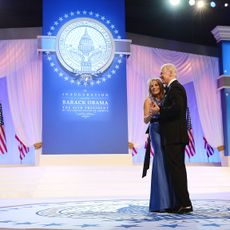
pixel 147 111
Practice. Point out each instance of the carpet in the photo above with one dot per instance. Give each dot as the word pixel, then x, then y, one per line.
pixel 113 214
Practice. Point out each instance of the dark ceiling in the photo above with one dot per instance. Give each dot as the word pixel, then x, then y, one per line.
pixel 148 17
pixel 158 19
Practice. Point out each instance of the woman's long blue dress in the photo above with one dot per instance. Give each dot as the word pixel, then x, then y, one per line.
pixel 161 195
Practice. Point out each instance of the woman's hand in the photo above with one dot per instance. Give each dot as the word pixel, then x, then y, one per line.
pixel 154 108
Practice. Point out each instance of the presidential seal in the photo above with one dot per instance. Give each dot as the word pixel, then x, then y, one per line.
pixel 85 47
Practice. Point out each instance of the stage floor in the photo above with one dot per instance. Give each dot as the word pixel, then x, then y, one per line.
pixel 106 197
pixel 113 214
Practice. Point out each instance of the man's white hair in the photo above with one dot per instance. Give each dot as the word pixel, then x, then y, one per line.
pixel 171 67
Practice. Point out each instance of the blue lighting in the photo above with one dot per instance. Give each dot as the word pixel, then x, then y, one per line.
pixel 192 2
pixel 212 4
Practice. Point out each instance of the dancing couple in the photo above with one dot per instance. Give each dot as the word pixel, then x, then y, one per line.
pixel 165 112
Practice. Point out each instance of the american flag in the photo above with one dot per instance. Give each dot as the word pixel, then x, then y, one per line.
pixel 151 148
pixel 132 148
pixel 209 149
pixel 151 151
pixel 3 148
pixel 134 151
pixel 190 148
pixel 23 150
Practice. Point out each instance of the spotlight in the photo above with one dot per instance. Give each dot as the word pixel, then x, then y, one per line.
pixel 192 2
pixel 212 4
pixel 200 4
pixel 225 4
pixel 174 2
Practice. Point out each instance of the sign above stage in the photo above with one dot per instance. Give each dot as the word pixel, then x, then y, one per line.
pixel 84 53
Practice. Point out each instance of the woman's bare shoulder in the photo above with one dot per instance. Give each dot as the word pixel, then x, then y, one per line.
pixel 147 100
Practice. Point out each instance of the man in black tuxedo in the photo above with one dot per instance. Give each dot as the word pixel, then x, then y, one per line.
pixel 174 136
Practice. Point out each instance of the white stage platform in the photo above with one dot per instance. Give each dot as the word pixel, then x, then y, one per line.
pixel 104 192
pixel 101 176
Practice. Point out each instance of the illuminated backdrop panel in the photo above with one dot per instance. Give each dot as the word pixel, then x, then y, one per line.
pixel 84 77
pixel 225 92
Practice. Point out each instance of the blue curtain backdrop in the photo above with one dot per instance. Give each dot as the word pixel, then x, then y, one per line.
pixel 78 118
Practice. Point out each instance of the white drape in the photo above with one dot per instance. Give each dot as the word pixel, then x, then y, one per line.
pixel 144 63
pixel 21 65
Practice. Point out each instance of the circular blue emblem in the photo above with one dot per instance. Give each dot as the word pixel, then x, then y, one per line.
pixel 85 48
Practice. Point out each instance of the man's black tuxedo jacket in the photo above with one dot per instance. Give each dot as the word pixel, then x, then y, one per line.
pixel 173 116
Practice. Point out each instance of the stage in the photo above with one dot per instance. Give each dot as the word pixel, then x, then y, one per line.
pixel 107 194
pixel 77 85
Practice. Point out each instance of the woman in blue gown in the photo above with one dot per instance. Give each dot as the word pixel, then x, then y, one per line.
pixel 161 195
